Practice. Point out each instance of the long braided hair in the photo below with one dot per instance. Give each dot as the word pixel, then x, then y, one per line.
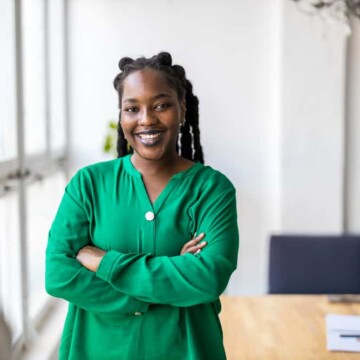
pixel 188 145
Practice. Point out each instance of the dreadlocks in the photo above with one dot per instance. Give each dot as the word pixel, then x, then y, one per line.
pixel 189 145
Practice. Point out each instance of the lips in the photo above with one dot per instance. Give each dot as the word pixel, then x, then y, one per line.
pixel 149 137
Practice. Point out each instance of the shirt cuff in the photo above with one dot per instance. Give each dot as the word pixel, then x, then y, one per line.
pixel 106 265
pixel 104 271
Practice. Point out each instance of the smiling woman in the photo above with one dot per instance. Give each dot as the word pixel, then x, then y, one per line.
pixel 174 75
pixel 151 116
pixel 123 248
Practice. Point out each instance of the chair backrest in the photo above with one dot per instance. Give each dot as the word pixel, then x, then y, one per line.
pixel 314 264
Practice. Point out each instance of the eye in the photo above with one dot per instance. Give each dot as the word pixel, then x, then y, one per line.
pixel 162 106
pixel 131 109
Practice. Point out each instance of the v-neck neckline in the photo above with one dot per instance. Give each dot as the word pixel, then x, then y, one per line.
pixel 159 201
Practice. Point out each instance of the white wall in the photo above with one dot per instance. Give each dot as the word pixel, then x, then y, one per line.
pixel 271 83
pixel 312 123
pixel 353 117
pixel 320 127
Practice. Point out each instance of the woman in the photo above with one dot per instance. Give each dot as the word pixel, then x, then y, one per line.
pixel 114 246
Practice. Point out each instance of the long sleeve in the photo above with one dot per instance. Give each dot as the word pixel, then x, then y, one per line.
pixel 65 276
pixel 183 280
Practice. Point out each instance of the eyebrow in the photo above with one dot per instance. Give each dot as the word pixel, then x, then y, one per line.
pixel 156 97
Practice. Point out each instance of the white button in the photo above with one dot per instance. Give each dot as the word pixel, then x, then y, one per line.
pixel 137 313
pixel 149 216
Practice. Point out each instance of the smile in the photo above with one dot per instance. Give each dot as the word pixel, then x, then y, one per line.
pixel 149 138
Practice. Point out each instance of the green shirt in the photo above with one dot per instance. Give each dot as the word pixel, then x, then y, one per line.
pixel 145 301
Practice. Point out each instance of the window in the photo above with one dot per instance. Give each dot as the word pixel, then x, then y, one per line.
pixel 7 83
pixel 43 198
pixel 10 285
pixel 57 80
pixel 34 75
pixel 32 151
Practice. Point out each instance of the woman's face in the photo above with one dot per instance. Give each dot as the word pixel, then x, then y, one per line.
pixel 151 114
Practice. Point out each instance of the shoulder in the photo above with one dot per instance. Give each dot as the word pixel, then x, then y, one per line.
pixel 210 179
pixel 91 176
pixel 101 167
pixel 95 180
pixel 211 193
pixel 99 170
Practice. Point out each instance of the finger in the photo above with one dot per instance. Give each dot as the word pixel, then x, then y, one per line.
pixel 191 242
pixel 194 241
pixel 200 236
pixel 196 252
pixel 190 246
pixel 197 246
pixel 187 246
pixel 190 250
pixel 201 245
pixel 186 250
pixel 193 249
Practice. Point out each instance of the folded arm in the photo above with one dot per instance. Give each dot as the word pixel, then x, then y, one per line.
pixel 183 280
pixel 66 278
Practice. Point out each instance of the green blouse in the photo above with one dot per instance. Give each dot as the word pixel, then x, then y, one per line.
pixel 145 301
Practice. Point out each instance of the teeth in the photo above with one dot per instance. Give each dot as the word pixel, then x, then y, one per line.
pixel 149 136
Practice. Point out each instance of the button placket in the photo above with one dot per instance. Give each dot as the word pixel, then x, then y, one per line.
pixel 149 216
pixel 150 224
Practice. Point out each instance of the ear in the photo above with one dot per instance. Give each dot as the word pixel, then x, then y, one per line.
pixel 182 108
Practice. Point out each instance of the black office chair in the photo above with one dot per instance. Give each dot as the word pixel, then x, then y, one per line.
pixel 314 264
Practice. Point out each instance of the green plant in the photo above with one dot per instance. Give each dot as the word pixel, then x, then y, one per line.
pixel 109 146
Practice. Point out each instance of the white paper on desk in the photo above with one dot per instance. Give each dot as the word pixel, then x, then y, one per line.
pixel 337 325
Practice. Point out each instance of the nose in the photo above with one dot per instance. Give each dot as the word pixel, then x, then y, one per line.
pixel 147 118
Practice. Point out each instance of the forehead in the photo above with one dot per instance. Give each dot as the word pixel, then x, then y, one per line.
pixel 146 81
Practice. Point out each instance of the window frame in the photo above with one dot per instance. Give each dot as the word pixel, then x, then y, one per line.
pixel 18 173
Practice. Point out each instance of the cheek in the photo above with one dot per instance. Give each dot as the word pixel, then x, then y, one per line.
pixel 125 123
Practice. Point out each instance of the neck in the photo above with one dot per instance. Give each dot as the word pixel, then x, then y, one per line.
pixel 167 165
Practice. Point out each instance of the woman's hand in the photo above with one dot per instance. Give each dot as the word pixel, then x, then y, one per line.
pixel 193 246
pixel 90 257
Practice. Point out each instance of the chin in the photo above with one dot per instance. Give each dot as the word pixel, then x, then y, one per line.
pixel 149 155
pixel 153 154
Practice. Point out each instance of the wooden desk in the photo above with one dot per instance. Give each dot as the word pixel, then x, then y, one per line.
pixel 280 327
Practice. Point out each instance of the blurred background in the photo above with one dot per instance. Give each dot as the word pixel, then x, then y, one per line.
pixel 279 91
